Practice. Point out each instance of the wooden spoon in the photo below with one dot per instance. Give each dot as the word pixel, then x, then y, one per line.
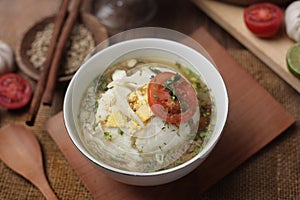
pixel 20 150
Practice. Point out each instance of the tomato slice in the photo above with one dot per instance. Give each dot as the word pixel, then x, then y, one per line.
pixel 263 19
pixel 172 98
pixel 15 91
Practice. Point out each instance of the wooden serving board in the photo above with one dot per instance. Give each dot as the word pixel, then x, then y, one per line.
pixel 271 51
pixel 255 118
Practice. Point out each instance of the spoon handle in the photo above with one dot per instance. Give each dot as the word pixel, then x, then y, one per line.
pixel 44 187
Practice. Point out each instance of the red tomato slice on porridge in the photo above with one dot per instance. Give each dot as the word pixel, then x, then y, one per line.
pixel 172 98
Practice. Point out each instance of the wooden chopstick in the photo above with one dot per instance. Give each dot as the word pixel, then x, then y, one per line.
pixel 37 96
pixel 66 31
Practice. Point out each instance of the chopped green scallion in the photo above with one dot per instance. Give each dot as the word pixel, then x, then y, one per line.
pixel 120 131
pixel 108 135
pixel 178 65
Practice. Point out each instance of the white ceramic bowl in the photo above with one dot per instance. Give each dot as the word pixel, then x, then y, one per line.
pixel 146 47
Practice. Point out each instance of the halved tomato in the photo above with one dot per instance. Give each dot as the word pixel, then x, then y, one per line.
pixel 263 19
pixel 172 98
pixel 15 91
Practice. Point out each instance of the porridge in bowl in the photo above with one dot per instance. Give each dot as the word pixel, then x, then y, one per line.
pixel 146 115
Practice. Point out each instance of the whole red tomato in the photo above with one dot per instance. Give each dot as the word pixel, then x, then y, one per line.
pixel 263 19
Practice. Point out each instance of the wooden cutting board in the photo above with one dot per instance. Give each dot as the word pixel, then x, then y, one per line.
pixel 255 118
pixel 271 51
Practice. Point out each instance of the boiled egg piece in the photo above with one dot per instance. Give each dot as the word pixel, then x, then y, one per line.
pixel 125 104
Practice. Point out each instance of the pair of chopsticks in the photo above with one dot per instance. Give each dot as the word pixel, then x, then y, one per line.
pixel 47 81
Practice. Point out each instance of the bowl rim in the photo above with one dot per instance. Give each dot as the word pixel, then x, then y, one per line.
pixel 208 147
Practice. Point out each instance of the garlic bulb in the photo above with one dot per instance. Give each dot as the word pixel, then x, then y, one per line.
pixel 6 58
pixel 292 20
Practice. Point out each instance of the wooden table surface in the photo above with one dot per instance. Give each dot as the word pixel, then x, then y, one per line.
pixel 181 15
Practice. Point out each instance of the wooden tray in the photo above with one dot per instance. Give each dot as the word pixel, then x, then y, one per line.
pixel 271 51
pixel 255 118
